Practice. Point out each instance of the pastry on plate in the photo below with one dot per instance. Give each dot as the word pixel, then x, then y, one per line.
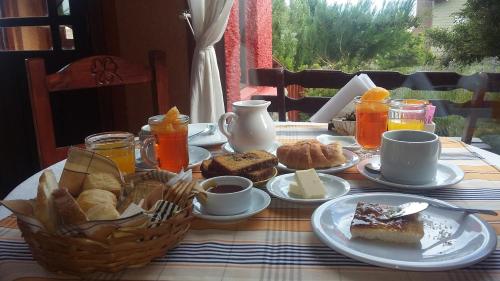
pixel 369 223
pixel 309 154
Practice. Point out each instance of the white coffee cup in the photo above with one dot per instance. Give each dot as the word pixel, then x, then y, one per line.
pixel 227 204
pixel 409 157
pixel 249 127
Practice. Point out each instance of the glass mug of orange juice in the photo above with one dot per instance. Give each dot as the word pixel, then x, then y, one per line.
pixel 117 146
pixel 407 115
pixel 170 143
pixel 371 122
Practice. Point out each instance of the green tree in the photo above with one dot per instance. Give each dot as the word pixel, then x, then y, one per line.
pixel 475 35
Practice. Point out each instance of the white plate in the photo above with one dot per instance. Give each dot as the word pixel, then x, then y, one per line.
pixel 451 240
pixel 196 156
pixel 447 174
pixel 260 201
pixel 335 187
pixel 347 142
pixel 227 148
pixel 351 160
pixel 216 138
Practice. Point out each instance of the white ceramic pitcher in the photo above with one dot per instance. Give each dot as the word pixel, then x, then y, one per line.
pixel 249 127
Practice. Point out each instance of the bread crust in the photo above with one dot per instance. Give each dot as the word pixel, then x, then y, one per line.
pixel 309 154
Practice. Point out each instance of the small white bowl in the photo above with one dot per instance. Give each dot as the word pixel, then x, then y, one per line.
pixel 227 204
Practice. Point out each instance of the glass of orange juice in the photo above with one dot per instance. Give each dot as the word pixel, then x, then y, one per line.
pixel 171 145
pixel 407 114
pixel 117 146
pixel 371 122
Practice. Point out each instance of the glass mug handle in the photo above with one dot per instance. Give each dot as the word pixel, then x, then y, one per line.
pixel 150 141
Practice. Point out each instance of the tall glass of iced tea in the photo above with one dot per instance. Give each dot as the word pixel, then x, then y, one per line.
pixel 371 122
pixel 171 145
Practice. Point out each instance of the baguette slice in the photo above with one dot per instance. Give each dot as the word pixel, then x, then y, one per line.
pixel 44 203
pixel 367 224
pixel 67 208
pixel 239 163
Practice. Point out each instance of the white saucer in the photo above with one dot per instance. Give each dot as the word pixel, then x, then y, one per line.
pixel 216 138
pixel 351 160
pixel 335 187
pixel 347 142
pixel 196 156
pixel 227 148
pixel 447 174
pixel 260 201
pixel 451 239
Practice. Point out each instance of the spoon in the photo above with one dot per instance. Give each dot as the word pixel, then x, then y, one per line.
pixel 210 129
pixel 373 167
pixel 416 207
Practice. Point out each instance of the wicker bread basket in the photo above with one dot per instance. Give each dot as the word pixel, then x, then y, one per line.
pixel 133 247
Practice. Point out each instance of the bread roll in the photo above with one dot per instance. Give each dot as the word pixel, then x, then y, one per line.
pixel 66 207
pixel 92 197
pixel 44 204
pixel 102 212
pixel 309 154
pixel 103 181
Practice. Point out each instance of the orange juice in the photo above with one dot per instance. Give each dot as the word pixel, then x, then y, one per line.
pixel 371 122
pixel 406 124
pixel 117 146
pixel 171 142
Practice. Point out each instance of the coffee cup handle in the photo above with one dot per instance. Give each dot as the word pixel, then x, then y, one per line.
pixel 223 125
pixel 144 151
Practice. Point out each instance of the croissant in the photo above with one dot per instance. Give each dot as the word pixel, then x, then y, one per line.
pixel 309 154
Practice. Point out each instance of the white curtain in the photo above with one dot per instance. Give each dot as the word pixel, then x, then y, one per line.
pixel 209 18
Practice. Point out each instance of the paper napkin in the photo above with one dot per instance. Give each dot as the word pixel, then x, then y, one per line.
pixel 357 86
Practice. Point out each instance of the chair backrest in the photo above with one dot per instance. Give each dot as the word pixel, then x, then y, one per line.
pixel 478 84
pixel 90 72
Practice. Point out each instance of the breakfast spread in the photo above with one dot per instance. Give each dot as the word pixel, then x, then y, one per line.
pixel 309 154
pixel 256 165
pixel 369 222
pixel 307 185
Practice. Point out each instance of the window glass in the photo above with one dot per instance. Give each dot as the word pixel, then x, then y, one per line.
pixel 67 40
pixel 25 38
pixel 23 8
pixel 63 8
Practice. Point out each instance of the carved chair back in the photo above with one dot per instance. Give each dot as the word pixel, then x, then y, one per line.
pixel 90 72
pixel 478 84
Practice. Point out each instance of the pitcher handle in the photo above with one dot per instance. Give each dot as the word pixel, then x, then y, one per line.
pixel 223 125
pixel 150 141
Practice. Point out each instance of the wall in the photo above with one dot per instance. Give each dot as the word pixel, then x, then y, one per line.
pixel 132 29
pixel 443 10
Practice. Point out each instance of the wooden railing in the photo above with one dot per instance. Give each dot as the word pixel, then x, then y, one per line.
pixel 479 84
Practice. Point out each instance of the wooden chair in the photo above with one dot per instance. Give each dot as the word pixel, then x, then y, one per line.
pixel 477 107
pixel 90 72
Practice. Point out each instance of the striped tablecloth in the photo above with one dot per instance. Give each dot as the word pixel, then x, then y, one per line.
pixel 278 243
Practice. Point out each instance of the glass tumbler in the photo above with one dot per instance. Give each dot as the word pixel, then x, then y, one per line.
pixel 117 146
pixel 371 123
pixel 170 143
pixel 407 115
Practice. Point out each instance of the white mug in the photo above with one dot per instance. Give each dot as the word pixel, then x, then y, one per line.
pixel 227 204
pixel 249 127
pixel 409 157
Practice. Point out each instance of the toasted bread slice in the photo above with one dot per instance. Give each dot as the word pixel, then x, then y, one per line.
pixel 367 223
pixel 209 171
pixel 239 163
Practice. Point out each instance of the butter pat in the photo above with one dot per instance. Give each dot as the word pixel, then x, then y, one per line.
pixel 309 185
pixel 295 191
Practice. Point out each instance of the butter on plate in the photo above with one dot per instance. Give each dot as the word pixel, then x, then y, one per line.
pixel 307 185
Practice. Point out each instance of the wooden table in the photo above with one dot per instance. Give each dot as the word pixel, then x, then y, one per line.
pixel 278 243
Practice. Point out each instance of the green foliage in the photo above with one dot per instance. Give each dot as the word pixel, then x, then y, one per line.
pixel 475 35
pixel 346 37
